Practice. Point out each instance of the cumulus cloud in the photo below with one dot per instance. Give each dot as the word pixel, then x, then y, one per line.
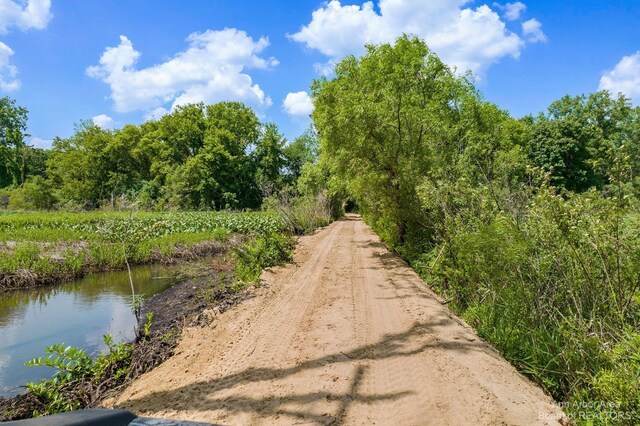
pixel 298 103
pixel 512 11
pixel 212 68
pixel 464 37
pixel 337 30
pixel 624 78
pixel 35 14
pixel 104 121
pixel 532 29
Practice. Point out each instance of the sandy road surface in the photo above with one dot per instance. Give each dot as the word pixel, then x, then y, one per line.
pixel 347 335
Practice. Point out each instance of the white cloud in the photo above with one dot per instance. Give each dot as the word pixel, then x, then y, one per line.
pixel 532 29
pixel 8 72
pixel 467 38
pixel 40 143
pixel 624 78
pixel 35 14
pixel 512 11
pixel 337 30
pixel 104 121
pixel 298 103
pixel 474 41
pixel 212 68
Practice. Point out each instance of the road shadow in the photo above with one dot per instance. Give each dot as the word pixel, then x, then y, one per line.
pixel 204 396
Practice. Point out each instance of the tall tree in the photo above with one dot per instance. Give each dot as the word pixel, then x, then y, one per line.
pixel 303 150
pixel 577 140
pixel 220 173
pixel 270 160
pixel 380 121
pixel 14 153
pixel 81 166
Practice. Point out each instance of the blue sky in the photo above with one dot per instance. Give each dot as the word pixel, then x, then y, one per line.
pixel 124 61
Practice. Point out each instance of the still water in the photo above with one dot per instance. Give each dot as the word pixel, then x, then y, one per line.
pixel 77 314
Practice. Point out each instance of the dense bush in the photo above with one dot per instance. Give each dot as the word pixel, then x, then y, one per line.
pixel 529 228
pixel 301 214
pixel 260 253
pixel 35 194
pixel 554 291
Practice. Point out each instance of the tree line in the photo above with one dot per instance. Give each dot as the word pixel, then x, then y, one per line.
pixel 197 157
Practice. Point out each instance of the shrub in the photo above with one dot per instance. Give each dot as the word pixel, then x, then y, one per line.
pixel 554 290
pixel 73 365
pixel 262 252
pixel 302 215
pixel 616 386
pixel 36 193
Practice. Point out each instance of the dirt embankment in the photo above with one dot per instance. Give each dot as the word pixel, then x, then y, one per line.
pixel 347 334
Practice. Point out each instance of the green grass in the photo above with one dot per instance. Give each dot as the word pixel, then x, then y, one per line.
pixel 46 247
pixel 93 223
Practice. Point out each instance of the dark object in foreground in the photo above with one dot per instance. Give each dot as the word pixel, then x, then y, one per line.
pixel 101 417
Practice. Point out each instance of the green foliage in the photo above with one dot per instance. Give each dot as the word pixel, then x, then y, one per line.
pixel 549 292
pixel 35 194
pixel 619 381
pixel 317 182
pixel 528 227
pixel 151 225
pixel 577 140
pixel 197 157
pixel 270 160
pixel 302 151
pixel 80 166
pixel 303 214
pixel 147 324
pixel 14 153
pixel 379 121
pixel 215 169
pixel 260 253
pixel 73 365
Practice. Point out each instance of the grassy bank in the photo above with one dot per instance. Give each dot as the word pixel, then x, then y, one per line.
pixel 84 380
pixel 45 248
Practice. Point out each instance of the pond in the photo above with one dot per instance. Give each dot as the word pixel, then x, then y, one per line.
pixel 77 314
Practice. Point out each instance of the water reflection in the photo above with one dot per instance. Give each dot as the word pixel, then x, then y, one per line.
pixel 75 314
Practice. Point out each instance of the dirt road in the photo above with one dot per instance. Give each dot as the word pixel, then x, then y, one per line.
pixel 347 335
